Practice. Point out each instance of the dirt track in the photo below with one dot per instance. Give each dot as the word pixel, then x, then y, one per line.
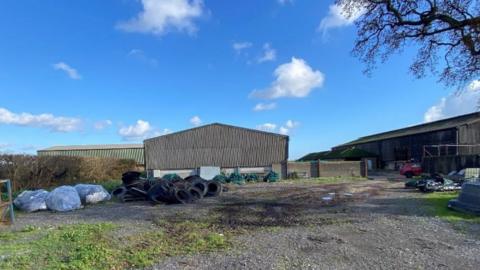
pixel 288 226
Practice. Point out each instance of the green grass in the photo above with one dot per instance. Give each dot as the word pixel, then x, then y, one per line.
pixel 437 205
pixel 110 185
pixel 325 180
pixel 97 246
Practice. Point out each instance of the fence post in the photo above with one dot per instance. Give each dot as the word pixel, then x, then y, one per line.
pixel 8 203
pixel 10 198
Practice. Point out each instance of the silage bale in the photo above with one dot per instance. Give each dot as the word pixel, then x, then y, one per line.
pixel 271 177
pixel 236 178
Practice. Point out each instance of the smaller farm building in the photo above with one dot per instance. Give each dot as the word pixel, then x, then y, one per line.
pixel 120 151
pixel 215 145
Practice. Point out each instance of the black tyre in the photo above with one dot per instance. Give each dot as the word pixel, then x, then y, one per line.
pixel 408 174
pixel 119 192
pixel 160 193
pixel 196 193
pixel 214 189
pixel 183 196
pixel 201 184
pixel 136 192
pixel 139 184
pixel 130 177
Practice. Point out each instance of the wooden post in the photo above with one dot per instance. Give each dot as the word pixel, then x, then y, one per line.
pixel 8 203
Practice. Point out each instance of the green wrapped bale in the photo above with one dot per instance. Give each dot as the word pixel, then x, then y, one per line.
pixel 251 177
pixel 172 177
pixel 271 177
pixel 221 178
pixel 237 178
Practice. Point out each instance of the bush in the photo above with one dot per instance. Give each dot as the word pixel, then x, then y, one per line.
pixel 33 172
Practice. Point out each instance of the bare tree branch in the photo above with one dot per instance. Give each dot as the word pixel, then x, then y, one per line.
pixel 442 29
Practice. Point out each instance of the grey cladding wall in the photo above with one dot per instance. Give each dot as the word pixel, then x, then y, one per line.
pixel 215 145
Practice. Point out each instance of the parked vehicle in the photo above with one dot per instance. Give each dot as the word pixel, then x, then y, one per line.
pixel 411 169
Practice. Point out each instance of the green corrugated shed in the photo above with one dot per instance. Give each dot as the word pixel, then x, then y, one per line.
pixel 120 151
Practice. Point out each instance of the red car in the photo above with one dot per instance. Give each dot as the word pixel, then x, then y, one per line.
pixel 411 169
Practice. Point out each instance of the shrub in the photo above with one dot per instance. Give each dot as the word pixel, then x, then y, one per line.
pixel 33 172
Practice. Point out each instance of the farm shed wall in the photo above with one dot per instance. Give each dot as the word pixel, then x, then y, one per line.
pixel 322 169
pixel 395 147
pixel 446 164
pixel 215 145
pixel 408 147
pixel 469 134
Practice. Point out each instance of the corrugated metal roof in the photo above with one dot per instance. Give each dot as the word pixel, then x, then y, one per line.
pixel 120 151
pixel 221 125
pixel 423 128
pixel 92 147
pixel 349 153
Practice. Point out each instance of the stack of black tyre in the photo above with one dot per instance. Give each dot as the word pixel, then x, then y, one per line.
pixel 178 190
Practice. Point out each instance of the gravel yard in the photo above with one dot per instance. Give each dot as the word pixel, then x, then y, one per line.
pixel 290 225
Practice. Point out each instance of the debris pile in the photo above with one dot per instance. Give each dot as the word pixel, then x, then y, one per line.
pixel 170 189
pixel 451 182
pixel 61 199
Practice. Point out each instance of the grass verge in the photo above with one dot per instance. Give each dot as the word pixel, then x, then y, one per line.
pixel 437 205
pixel 324 180
pixel 97 246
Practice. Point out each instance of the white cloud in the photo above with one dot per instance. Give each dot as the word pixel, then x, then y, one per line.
pixel 196 121
pixel 337 17
pixel 141 130
pixel 455 104
pixel 44 120
pixel 102 124
pixel 264 106
pixel 159 17
pixel 288 126
pixel 240 46
pixel 269 127
pixel 157 133
pixel 291 124
pixel 269 54
pixel 142 57
pixel 70 71
pixel 284 129
pixel 295 79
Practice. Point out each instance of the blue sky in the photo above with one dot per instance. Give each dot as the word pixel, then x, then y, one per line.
pixel 93 72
